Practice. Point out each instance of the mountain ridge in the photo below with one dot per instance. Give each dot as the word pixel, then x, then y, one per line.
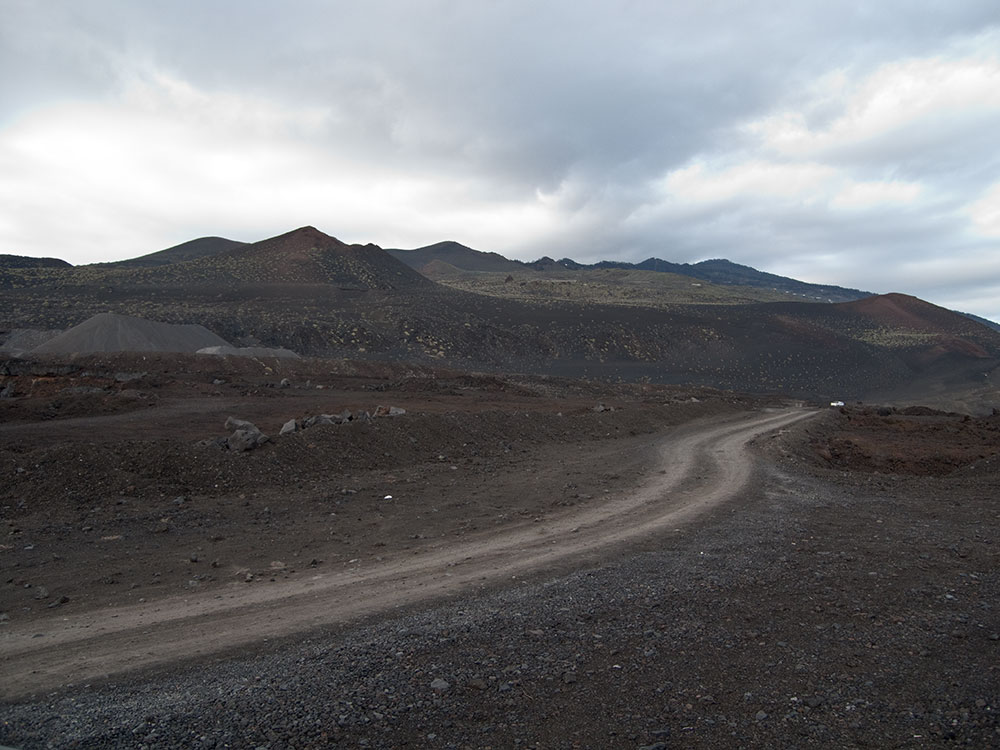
pixel 301 256
pixel 716 271
pixel 311 293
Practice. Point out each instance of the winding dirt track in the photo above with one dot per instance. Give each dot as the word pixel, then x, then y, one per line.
pixel 699 467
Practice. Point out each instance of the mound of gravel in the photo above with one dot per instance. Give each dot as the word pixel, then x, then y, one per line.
pixel 110 332
pixel 22 340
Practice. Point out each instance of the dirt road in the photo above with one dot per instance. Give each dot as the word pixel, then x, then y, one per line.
pixel 700 466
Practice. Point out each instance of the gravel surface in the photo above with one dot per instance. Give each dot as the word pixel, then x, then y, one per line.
pixel 823 609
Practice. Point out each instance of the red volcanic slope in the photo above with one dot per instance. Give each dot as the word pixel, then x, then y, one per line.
pixel 903 311
pixel 307 255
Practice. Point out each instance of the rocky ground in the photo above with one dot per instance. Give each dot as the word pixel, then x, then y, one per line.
pixel 846 598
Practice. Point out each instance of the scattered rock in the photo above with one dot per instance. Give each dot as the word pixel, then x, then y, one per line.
pixel 232 423
pixel 439 686
pixel 288 427
pixel 246 436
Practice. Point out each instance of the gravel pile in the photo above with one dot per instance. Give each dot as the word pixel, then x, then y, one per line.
pixel 110 332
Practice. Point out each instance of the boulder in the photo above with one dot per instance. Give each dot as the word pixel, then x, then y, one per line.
pixel 342 418
pixel 288 427
pixel 246 436
pixel 319 419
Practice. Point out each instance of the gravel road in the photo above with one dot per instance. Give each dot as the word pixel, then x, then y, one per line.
pixel 697 467
pixel 811 610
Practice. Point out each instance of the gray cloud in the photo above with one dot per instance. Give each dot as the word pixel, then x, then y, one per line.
pixel 845 143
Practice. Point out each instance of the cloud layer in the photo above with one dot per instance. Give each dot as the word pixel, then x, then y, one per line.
pixel 836 144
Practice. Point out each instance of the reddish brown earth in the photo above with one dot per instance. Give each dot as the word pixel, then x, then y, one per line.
pixel 914 440
pixel 679 567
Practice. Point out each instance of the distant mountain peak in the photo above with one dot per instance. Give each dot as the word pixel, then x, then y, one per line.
pixel 307 231
pixel 454 255
pixel 303 237
pixel 307 255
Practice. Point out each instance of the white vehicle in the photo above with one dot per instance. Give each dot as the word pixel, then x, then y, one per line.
pixel 836 403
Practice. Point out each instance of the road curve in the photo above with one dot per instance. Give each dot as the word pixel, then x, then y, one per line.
pixel 699 466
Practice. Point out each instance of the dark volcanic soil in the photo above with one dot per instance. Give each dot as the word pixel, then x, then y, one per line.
pixel 832 603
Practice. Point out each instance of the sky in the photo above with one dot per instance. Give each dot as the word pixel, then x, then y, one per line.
pixel 839 142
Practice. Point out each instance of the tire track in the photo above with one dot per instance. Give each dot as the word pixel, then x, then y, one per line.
pixel 698 467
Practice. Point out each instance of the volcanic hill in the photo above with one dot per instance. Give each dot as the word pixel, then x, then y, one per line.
pixel 203 247
pixel 443 257
pixel 24 261
pixel 456 255
pixel 302 256
pixel 309 292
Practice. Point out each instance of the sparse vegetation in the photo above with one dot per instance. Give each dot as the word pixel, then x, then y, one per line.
pixel 314 295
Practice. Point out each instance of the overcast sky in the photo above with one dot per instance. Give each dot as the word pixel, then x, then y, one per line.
pixel 853 143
